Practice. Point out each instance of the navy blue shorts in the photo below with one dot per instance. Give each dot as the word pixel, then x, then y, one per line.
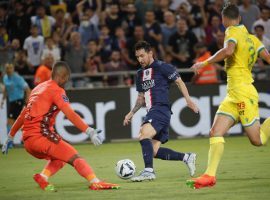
pixel 159 117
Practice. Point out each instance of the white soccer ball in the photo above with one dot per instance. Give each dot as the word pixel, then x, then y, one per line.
pixel 125 168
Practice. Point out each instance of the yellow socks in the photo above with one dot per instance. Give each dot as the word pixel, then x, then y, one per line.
pixel 265 131
pixel 214 155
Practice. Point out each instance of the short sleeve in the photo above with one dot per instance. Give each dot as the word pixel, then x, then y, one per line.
pixel 60 99
pixel 170 72
pixel 230 36
pixel 139 81
pixel 22 82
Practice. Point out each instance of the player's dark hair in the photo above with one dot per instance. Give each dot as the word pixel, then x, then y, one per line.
pixel 230 11
pixel 142 45
pixel 59 65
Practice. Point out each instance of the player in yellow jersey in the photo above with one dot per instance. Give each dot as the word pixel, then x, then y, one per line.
pixel 240 52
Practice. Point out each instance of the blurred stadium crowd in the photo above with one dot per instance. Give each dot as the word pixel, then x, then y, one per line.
pixel 96 36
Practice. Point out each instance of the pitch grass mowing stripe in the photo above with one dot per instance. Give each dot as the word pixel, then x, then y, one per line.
pixel 243 174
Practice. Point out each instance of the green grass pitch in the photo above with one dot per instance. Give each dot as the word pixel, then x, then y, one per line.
pixel 244 173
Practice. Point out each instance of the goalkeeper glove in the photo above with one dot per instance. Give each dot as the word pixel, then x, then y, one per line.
pixel 8 144
pixel 95 137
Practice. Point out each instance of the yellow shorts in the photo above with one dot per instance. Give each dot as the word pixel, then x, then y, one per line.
pixel 245 110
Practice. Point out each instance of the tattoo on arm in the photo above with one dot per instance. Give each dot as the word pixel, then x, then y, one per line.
pixel 139 103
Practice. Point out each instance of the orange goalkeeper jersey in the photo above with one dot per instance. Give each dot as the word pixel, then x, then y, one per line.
pixel 45 102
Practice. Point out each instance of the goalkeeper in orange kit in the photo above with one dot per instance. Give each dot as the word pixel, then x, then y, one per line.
pixel 40 139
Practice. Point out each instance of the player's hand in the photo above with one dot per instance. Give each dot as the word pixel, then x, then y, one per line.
pixel 95 136
pixel 192 106
pixel 195 68
pixel 127 118
pixel 8 144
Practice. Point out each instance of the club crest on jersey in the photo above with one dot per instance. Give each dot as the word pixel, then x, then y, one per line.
pixel 65 98
pixel 147 74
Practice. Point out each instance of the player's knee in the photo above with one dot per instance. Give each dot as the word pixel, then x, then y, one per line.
pixel 73 158
pixel 256 143
pixel 213 132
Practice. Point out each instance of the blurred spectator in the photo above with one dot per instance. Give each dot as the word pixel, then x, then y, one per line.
pixel 85 11
pixel 20 63
pixel 213 48
pixel 199 19
pixel 168 28
pixel 264 21
pixel 218 43
pixel 161 7
pixel 3 15
pixel 249 14
pixel 212 29
pixel 4 45
pixel 142 6
pixel 208 73
pixel 19 24
pixel 130 20
pixel 44 71
pixel 13 49
pixel 152 30
pixel 44 22
pixel 120 41
pixel 113 19
pixel 259 32
pixel 263 3
pixel 59 25
pixel 34 45
pixel 115 64
pixel 181 45
pixel 129 53
pixel 93 60
pixel 214 9
pixel 106 43
pixel 176 3
pixel 52 49
pixel 87 29
pixel 74 53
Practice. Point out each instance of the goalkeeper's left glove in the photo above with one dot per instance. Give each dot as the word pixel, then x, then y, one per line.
pixel 7 145
pixel 95 137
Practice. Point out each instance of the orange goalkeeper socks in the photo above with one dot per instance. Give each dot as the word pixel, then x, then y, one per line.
pixel 84 170
pixel 51 168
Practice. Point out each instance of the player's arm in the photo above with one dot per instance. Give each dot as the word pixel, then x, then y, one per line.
pixel 182 87
pixel 27 94
pixel 225 52
pixel 140 102
pixel 81 125
pixel 264 54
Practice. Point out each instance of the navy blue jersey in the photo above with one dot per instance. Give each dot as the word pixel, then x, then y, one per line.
pixel 154 81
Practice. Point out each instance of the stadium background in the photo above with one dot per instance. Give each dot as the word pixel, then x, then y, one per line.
pixel 102 94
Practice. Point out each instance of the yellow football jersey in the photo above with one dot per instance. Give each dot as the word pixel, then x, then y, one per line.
pixel 239 65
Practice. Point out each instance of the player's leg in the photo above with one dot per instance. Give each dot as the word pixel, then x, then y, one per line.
pixel 168 154
pixel 221 125
pixel 147 132
pixel 80 165
pixel 257 134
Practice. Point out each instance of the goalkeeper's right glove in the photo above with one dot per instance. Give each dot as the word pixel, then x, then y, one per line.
pixel 7 145
pixel 95 137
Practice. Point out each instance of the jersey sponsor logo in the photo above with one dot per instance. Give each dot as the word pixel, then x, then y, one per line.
pixel 147 74
pixel 148 84
pixel 65 98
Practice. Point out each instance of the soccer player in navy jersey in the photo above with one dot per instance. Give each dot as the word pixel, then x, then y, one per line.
pixel 152 84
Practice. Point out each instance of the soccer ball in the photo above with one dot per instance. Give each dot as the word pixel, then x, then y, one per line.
pixel 125 168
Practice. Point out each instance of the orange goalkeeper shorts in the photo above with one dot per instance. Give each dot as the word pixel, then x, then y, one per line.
pixel 41 148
